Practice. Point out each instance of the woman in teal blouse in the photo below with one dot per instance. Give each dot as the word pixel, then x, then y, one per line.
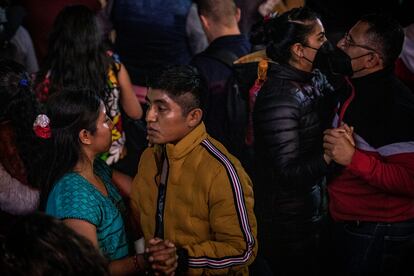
pixel 77 186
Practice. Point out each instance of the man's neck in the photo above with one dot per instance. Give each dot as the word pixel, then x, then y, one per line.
pixel 222 31
pixel 366 72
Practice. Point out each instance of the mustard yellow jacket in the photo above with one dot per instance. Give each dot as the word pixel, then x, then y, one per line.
pixel 208 204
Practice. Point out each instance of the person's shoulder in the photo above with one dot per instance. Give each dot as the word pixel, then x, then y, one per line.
pixel 147 160
pixel 215 156
pixel 281 92
pixel 101 168
pixel 397 87
pixel 203 60
pixel 404 97
pixel 69 184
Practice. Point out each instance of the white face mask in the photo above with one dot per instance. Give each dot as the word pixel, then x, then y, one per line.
pixel 407 53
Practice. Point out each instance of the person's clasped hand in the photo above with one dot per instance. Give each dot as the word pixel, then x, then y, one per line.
pixel 339 144
pixel 162 256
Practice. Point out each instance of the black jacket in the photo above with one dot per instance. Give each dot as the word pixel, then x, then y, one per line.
pixel 291 112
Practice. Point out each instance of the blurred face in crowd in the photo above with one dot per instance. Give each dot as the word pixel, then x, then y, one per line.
pixel 166 121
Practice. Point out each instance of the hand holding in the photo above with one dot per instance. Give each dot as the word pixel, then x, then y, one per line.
pixel 162 256
pixel 339 145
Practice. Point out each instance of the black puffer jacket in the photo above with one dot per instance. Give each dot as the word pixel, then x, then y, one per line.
pixel 291 112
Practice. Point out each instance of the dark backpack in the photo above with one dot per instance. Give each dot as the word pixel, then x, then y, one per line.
pixel 236 115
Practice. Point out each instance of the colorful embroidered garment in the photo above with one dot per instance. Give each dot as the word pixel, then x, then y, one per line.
pixel 73 197
pixel 116 151
pixel 112 98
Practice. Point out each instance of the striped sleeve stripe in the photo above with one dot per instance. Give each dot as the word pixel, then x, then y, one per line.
pixel 218 263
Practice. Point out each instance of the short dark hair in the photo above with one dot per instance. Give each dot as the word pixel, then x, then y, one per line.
pixel 386 35
pixel 218 10
pixel 38 244
pixel 281 32
pixel 178 81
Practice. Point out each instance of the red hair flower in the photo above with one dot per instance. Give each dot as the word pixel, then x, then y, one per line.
pixel 41 126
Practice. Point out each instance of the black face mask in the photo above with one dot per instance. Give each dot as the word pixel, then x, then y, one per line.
pixel 332 60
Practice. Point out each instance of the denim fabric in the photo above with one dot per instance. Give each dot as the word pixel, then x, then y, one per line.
pixel 151 33
pixel 369 248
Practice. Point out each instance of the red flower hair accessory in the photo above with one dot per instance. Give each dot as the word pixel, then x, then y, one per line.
pixel 41 126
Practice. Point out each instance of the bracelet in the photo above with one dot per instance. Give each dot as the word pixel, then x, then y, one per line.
pixel 136 264
pixel 141 265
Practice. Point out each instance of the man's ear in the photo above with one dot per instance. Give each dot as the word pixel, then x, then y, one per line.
pixel 373 60
pixel 194 117
pixel 204 22
pixel 238 15
pixel 85 137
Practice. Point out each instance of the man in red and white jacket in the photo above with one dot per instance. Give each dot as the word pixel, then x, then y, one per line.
pixel 372 194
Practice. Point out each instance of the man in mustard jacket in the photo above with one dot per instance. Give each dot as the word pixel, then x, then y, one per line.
pixel 191 197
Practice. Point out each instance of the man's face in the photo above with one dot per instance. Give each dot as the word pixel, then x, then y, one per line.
pixel 165 120
pixel 356 45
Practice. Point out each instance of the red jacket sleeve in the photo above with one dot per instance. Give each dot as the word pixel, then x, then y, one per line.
pixel 393 173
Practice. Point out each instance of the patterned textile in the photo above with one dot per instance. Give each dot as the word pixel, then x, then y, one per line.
pixel 111 100
pixel 73 197
pixel 116 151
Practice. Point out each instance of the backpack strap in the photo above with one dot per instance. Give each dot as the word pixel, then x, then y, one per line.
pixel 222 55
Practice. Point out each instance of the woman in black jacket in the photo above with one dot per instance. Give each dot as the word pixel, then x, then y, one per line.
pixel 291 112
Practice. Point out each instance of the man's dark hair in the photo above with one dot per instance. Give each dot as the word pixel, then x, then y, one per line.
pixel 179 82
pixel 218 10
pixel 38 244
pixel 386 35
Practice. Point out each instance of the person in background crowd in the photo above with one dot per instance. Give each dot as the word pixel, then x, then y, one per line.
pixel 18 193
pixel 40 15
pixel 154 33
pixel 78 58
pixel 15 41
pixel 38 244
pixel 371 194
pixel 219 19
pixel 404 66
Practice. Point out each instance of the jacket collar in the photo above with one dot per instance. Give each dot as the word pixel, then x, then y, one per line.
pixel 187 144
pixel 287 72
pixel 374 77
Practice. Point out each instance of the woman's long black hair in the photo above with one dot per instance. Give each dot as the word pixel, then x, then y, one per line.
pixel 69 111
pixel 76 52
pixel 19 106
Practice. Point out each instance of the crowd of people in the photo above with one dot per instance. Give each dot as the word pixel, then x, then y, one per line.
pixel 121 152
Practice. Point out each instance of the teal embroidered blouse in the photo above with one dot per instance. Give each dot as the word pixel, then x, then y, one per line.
pixel 73 197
